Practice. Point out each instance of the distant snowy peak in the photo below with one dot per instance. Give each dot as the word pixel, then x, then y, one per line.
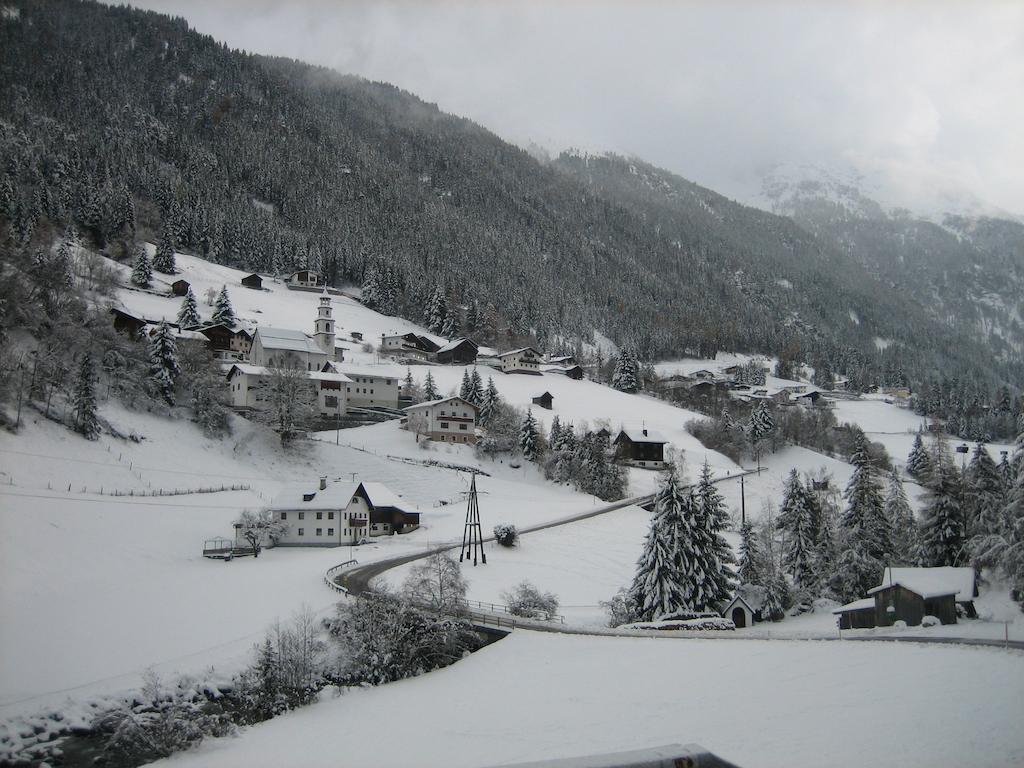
pixel 788 187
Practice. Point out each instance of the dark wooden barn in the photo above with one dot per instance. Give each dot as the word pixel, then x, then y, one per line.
pixel 180 287
pixel 253 281
pixel 899 603
pixel 127 323
pixel 544 401
pixel 458 352
pixel 640 447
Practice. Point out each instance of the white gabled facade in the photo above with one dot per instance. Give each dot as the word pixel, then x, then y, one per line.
pixel 451 420
pixel 525 360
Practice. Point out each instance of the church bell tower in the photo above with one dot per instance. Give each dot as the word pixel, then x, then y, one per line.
pixel 324 326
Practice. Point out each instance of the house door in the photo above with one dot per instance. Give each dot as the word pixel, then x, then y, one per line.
pixel 739 617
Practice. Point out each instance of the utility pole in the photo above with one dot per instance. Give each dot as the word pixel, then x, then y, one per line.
pixel 743 502
pixel 472 535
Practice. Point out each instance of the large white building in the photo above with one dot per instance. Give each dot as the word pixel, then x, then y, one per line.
pixel 369 388
pixel 248 386
pixel 451 420
pixel 525 360
pixel 339 513
pixel 287 348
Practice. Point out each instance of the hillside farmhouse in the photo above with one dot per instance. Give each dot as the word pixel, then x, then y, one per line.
pixel 450 420
pixel 338 513
pixel 457 352
pixel 525 360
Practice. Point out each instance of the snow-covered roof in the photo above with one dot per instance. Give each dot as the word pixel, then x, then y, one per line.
pixel 339 377
pixel 287 339
pixel 454 343
pixel 856 605
pixel 335 496
pixel 641 435
pixel 562 369
pixel 518 351
pixel 560 359
pixel 252 370
pixel 382 496
pixel 931 582
pixel 431 403
pixel 355 370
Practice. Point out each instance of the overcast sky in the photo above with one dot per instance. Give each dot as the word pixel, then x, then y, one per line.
pixel 922 96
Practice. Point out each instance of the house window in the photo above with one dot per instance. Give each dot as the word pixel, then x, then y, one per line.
pixel 330 531
pixel 463 427
pixel 319 515
pixel 302 531
pixel 319 531
pixel 284 515
pixel 331 401
pixel 330 515
pixel 302 515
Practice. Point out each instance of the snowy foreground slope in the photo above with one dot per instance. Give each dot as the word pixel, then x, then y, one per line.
pixel 759 703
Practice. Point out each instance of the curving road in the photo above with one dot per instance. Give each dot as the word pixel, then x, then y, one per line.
pixel 356 581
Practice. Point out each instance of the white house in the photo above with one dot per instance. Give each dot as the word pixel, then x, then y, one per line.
pixel 304 278
pixel 407 346
pixel 247 386
pixel 340 513
pixel 369 388
pixel 450 420
pixel 525 360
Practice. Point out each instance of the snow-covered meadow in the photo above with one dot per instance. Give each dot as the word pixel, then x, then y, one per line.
pixel 535 696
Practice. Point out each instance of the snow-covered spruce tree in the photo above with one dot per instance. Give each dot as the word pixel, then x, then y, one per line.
pixel 942 520
pixel 749 571
pixel 450 327
pixel 436 312
pixel 658 590
pixel 555 434
pixel 370 288
pixel 626 376
pixel 188 314
pixel 142 272
pixel 985 494
pixel 476 388
pixel 163 363
pixel 826 550
pixel 796 520
pixel 83 399
pixel 430 392
pixel 163 259
pixel 865 520
pixel 919 462
pixel 529 437
pixel 714 521
pixel 223 313
pixel 906 543
pixel 466 388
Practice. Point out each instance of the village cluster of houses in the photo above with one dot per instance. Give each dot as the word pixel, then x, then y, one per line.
pixel 728 381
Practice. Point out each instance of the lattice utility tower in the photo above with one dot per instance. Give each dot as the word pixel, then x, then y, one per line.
pixel 472 535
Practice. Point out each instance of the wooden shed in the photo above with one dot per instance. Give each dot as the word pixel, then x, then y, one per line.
pixel 544 400
pixel 860 614
pixel 457 352
pixel 897 602
pixel 126 322
pixel 253 281
pixel 641 448
pixel 180 287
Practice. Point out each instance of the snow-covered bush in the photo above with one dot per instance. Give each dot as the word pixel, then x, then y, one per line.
pixel 529 602
pixel 162 723
pixel 289 670
pixel 383 638
pixel 506 534
pixel 620 609
pixel 930 621
pixel 709 624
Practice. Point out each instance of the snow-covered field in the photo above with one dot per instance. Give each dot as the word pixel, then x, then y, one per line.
pixel 759 703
